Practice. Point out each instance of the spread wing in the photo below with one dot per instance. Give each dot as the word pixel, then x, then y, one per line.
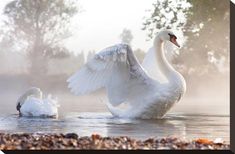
pixel 114 68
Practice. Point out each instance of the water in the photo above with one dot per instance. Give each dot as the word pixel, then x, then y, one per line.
pixel 86 115
pixel 85 123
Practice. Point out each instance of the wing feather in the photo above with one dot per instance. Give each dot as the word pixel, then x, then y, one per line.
pixel 111 68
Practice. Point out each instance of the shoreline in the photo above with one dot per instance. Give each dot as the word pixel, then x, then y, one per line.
pixel 36 141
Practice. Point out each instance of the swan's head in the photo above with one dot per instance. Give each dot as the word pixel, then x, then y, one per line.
pixel 33 91
pixel 168 35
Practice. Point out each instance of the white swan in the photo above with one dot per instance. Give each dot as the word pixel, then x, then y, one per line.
pixel 132 91
pixel 32 104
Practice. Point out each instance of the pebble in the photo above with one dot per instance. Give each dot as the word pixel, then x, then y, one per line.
pixel 71 135
pixel 95 141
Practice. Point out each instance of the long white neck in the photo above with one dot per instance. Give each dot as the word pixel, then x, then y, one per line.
pixel 163 64
pixel 34 92
pixel 166 68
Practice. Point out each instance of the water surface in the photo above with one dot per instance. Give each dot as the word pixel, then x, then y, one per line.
pixel 88 114
pixel 85 123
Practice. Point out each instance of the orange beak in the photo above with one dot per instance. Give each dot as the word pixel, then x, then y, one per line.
pixel 173 40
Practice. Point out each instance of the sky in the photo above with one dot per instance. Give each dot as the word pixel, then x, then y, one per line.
pixel 101 22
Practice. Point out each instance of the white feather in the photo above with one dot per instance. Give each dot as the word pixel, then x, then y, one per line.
pixel 151 65
pixel 32 104
pixel 133 91
pixel 35 107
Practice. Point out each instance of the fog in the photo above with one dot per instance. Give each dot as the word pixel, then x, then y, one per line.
pixel 207 93
pixel 207 96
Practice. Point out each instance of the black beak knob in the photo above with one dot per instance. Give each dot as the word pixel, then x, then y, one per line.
pixel 18 107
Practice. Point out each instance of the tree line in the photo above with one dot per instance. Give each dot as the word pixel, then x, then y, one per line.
pixel 38 28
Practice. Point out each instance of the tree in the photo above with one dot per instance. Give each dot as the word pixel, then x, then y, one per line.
pixel 126 36
pixel 205 25
pixel 39 27
pixel 168 14
pixel 208 33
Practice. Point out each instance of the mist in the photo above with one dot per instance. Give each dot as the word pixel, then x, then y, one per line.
pixel 23 65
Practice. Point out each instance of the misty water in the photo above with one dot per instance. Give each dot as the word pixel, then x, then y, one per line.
pixel 86 115
pixel 202 113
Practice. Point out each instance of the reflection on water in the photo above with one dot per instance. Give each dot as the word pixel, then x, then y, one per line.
pixel 209 121
pixel 174 124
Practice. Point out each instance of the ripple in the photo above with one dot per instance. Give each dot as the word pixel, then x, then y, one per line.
pixel 86 123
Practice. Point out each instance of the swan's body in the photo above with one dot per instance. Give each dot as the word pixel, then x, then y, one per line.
pixel 32 104
pixel 132 91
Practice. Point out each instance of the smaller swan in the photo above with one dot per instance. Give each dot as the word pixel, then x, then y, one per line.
pixel 32 104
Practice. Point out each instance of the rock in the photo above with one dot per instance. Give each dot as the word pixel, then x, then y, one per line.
pixel 71 135
pixel 95 136
pixel 218 141
pixel 95 141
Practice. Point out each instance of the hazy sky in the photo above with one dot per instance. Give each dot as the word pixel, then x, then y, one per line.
pixel 102 21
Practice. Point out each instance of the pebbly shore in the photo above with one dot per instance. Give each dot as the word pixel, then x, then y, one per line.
pixel 27 141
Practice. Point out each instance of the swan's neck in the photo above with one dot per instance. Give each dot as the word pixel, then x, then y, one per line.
pixel 165 67
pixel 32 92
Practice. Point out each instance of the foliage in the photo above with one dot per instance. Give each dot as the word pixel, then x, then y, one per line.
pixel 38 27
pixel 205 25
pixel 167 14
pixel 126 36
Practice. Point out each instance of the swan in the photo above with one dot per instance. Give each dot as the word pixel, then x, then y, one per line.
pixel 132 90
pixel 32 104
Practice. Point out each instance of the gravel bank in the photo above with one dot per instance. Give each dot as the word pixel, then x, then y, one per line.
pixel 95 141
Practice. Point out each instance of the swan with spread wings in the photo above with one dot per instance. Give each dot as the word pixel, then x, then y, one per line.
pixel 133 92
